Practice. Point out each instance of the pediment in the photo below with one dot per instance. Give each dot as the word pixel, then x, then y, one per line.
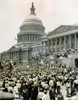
pixel 13 48
pixel 62 28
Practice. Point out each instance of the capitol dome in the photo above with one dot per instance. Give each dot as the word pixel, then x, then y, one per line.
pixel 32 29
pixel 32 19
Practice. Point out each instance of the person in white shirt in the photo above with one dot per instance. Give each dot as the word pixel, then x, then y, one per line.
pixel 46 96
pixel 40 94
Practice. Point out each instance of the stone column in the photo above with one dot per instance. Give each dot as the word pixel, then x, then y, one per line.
pixel 29 36
pixel 36 37
pixel 75 41
pixel 33 37
pixel 48 46
pixel 42 47
pixel 39 37
pixel 60 44
pixel 26 37
pixel 56 44
pixel 22 39
pixel 26 54
pixel 65 42
pixel 70 41
pixel 52 45
pixel 45 46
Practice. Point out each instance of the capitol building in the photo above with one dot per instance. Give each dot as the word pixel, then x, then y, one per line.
pixel 32 40
pixel 28 40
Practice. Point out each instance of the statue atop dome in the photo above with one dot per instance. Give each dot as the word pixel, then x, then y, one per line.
pixel 32 9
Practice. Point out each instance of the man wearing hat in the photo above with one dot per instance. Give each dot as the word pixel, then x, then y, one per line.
pixel 51 93
pixel 34 92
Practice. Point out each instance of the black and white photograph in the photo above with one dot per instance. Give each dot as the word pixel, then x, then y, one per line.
pixel 38 49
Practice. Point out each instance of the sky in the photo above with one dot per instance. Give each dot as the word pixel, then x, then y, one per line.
pixel 53 13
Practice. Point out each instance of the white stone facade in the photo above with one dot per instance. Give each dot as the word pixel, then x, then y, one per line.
pixel 63 37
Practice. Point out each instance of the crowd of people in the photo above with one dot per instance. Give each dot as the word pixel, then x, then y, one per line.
pixel 39 80
pixel 38 83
